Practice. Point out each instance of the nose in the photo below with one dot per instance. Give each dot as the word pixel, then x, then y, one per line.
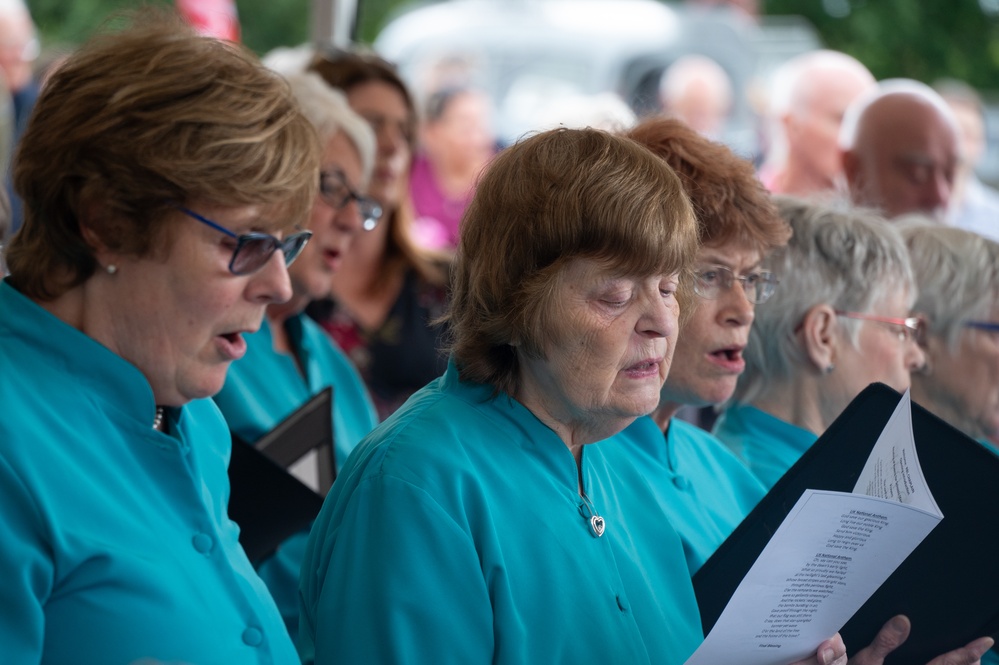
pixel 659 316
pixel 391 138
pixel 348 218
pixel 272 283
pixel 735 307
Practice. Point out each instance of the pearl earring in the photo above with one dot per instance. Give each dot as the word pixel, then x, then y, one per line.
pixel 111 269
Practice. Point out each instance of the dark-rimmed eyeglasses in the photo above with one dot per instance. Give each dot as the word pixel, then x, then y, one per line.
pixel 254 250
pixel 910 328
pixel 758 286
pixel 333 188
pixel 988 326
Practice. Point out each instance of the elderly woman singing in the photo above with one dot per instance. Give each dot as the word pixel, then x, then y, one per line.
pixel 163 176
pixel 482 522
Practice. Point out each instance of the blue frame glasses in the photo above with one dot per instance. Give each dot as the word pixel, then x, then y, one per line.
pixel 907 329
pixel 758 286
pixel 333 189
pixel 988 326
pixel 254 250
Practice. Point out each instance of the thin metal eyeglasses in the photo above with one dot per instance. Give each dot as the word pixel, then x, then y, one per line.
pixel 988 326
pixel 254 250
pixel 333 188
pixel 908 328
pixel 758 286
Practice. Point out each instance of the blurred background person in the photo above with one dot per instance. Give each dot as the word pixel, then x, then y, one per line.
pixel 901 150
pixel 488 493
pixel 456 142
pixel 388 291
pixel 18 51
pixel 974 205
pixel 604 110
pixel 698 91
pixel 122 313
pixel 958 276
pixel 291 358
pixel 840 321
pixel 810 94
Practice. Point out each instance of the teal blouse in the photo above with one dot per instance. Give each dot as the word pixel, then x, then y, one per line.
pixel 114 540
pixel 263 388
pixel 703 488
pixel 768 445
pixel 456 534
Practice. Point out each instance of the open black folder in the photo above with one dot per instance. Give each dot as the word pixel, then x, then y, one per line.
pixel 267 502
pixel 948 586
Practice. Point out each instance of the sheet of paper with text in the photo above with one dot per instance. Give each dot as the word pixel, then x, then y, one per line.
pixel 830 554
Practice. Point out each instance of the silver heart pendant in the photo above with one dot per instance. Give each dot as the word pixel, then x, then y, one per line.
pixel 597 525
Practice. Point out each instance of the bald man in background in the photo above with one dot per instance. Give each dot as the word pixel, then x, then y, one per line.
pixel 901 150
pixel 698 91
pixel 811 93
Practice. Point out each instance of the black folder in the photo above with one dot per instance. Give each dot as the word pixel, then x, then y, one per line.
pixel 948 586
pixel 267 502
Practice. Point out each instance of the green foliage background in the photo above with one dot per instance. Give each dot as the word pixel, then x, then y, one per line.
pixel 921 39
pixel 265 24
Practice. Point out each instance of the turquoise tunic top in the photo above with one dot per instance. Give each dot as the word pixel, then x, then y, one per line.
pixel 768 445
pixel 698 482
pixel 114 539
pixel 263 388
pixel 456 534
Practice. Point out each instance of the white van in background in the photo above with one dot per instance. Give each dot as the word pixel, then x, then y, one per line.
pixel 528 54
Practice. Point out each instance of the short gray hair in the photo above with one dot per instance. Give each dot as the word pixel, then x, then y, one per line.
pixel 958 274
pixel 849 259
pixel 328 111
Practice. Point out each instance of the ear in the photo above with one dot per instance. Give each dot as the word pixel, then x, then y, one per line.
pixel 820 337
pixel 851 168
pixel 90 229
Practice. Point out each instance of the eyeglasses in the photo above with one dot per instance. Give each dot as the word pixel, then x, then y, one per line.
pixel 988 326
pixel 908 329
pixel 758 286
pixel 254 250
pixel 337 193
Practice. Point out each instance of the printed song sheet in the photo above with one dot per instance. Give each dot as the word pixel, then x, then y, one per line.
pixel 829 556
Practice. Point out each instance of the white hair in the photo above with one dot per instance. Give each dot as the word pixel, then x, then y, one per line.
pixel 849 259
pixel 791 79
pixel 958 274
pixel 287 60
pixel 789 87
pixel 328 111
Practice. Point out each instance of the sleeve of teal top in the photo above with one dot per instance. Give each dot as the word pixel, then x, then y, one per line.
pixel 402 583
pixel 26 571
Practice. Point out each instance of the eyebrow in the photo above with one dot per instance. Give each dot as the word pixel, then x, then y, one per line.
pixel 725 263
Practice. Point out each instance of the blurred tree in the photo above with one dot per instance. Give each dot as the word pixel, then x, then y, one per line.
pixel 265 24
pixel 921 40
